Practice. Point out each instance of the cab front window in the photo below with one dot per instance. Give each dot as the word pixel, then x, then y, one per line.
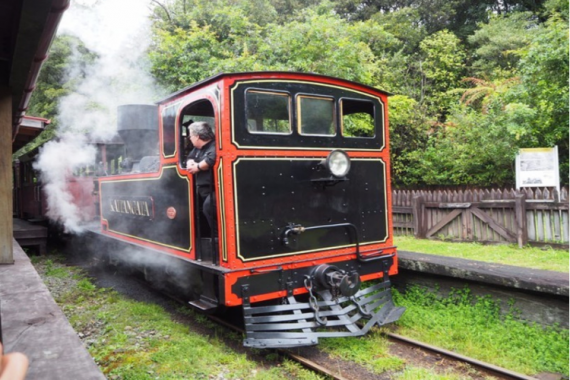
pixel 315 116
pixel 268 112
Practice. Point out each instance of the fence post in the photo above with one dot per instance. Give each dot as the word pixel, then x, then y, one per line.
pixel 520 216
pixel 417 212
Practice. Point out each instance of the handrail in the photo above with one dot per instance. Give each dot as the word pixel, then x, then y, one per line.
pixel 297 229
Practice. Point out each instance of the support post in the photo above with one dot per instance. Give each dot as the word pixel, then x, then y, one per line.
pixel 6 205
pixel 520 215
pixel 417 212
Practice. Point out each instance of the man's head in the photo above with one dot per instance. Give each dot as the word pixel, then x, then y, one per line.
pixel 200 133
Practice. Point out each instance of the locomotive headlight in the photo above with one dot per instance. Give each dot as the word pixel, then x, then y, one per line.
pixel 338 163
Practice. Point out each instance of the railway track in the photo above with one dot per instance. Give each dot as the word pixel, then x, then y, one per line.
pixel 305 362
pixel 478 364
pixel 336 373
pixel 487 368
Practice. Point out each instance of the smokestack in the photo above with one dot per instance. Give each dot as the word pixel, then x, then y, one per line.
pixel 137 124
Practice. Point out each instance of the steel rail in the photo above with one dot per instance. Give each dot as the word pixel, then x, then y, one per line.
pixel 307 363
pixel 487 366
pixel 312 365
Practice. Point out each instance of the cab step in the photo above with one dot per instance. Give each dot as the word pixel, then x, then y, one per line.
pixel 203 304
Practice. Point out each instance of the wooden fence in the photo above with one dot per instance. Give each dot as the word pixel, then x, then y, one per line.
pixel 529 216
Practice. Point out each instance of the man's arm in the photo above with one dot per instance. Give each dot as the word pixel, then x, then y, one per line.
pixel 209 158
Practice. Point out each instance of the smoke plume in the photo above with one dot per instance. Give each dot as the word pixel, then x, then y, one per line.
pixel 118 31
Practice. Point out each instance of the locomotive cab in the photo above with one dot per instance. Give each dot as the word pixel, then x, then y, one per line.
pixel 302 198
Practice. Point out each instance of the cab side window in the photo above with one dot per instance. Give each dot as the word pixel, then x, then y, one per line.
pixel 268 112
pixel 357 118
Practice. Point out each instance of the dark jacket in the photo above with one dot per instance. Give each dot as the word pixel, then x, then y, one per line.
pixel 207 153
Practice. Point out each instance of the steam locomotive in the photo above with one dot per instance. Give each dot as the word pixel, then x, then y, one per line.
pixel 302 190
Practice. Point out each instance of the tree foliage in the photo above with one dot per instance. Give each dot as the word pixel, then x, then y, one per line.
pixel 496 43
pixel 183 56
pixel 57 80
pixel 474 148
pixel 474 80
pixel 442 68
pixel 544 71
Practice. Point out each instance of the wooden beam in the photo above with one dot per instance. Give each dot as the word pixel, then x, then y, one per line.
pixel 418 216
pixel 448 218
pixel 6 223
pixel 520 213
pixel 401 210
pixel 508 235
pixel 467 225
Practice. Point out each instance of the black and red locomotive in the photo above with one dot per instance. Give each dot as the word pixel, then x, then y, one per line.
pixel 302 198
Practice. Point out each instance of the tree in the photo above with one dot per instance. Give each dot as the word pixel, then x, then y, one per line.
pixel 57 80
pixel 288 9
pixel 496 44
pixel 302 46
pixel 441 132
pixel 408 134
pixel 184 56
pixel 484 91
pixel 544 73
pixel 405 25
pixel 169 15
pixel 458 16
pixel 442 66
pixel 474 148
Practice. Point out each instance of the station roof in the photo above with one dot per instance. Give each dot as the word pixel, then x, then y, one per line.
pixel 29 129
pixel 27 28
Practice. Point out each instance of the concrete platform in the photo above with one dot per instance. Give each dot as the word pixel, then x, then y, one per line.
pixel 33 324
pixel 542 296
pixel 534 280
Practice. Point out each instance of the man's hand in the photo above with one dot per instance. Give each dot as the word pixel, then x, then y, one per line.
pixel 192 166
pixel 13 366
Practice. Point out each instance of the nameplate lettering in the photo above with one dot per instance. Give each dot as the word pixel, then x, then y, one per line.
pixel 135 207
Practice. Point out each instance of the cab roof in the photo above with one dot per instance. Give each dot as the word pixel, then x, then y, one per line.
pixel 263 75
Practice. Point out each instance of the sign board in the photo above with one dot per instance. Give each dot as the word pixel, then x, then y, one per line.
pixel 538 167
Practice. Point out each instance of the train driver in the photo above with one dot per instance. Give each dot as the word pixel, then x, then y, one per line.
pixel 199 162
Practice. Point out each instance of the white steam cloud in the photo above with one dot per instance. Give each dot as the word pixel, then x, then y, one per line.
pixel 62 205
pixel 118 31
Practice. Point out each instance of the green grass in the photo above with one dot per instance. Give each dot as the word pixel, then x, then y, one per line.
pixel 134 340
pixel 469 325
pixel 55 271
pixel 475 327
pixel 359 350
pixel 528 257
pixel 428 374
